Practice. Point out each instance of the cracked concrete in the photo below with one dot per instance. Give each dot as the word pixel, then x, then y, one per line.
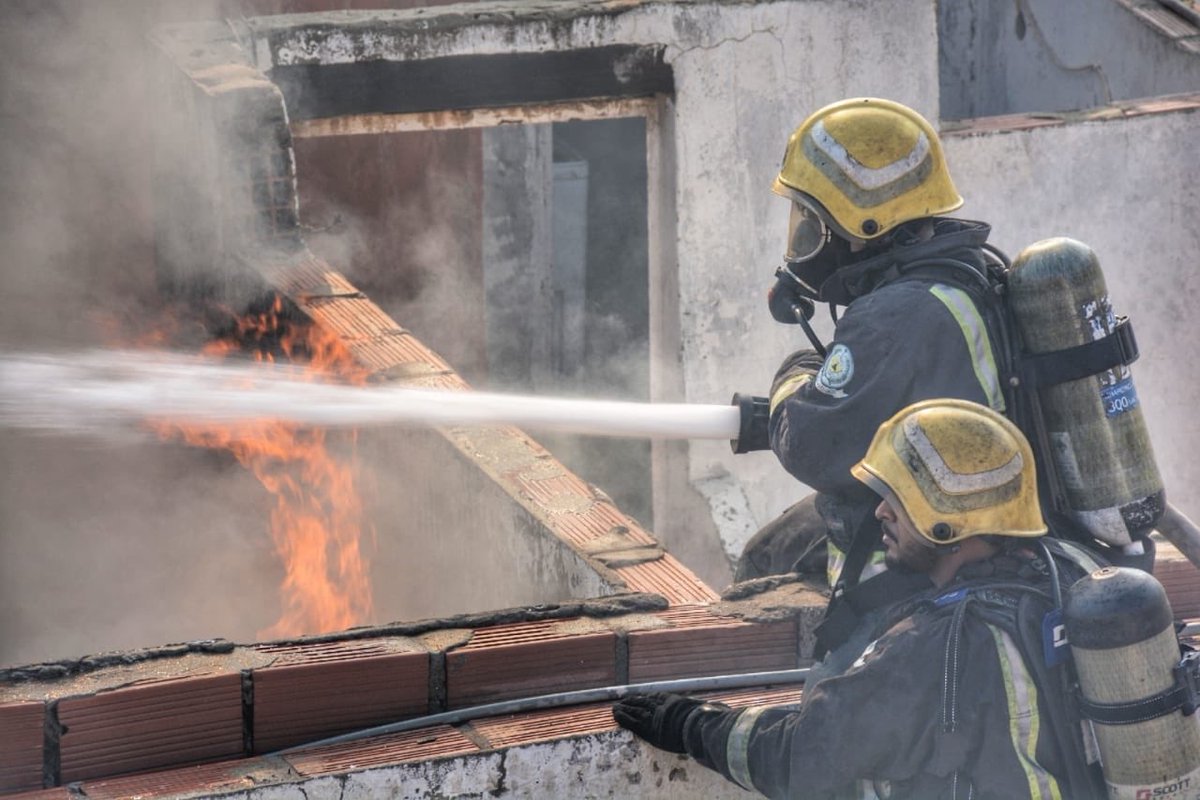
pixel 1029 55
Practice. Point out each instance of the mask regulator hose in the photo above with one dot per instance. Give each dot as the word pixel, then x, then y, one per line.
pixel 789 305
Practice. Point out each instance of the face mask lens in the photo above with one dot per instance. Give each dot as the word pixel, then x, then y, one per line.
pixel 807 234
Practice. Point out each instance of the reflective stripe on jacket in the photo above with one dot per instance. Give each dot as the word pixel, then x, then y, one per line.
pixel 904 342
pixel 951 701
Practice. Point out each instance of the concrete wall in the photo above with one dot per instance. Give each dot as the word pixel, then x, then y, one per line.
pixel 1056 55
pixel 603 765
pixel 745 75
pixel 1127 187
pixel 740 90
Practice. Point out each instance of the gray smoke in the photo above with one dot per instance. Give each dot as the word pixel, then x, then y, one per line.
pixel 123 541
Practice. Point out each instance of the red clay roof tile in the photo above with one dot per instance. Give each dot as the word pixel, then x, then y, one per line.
pixel 560 500
pixel 540 726
pixel 222 776
pixel 712 650
pixel 1181 579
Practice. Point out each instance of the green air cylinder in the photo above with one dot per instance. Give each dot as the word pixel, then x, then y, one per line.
pixel 1097 435
pixel 1119 626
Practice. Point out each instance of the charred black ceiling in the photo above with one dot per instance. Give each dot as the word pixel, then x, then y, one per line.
pixel 314 91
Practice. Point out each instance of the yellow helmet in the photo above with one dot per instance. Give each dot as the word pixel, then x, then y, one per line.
pixel 959 469
pixel 870 164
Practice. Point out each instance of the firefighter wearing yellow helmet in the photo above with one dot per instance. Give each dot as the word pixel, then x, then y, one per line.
pixel 922 315
pixel 954 693
pixel 911 291
pixel 955 470
pixel 863 167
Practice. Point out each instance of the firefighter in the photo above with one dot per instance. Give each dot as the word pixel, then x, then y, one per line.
pixel 867 183
pixel 956 697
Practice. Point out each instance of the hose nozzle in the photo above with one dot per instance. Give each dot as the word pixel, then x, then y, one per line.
pixel 754 413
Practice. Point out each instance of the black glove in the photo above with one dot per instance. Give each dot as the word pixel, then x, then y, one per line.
pixel 658 718
pixel 801 362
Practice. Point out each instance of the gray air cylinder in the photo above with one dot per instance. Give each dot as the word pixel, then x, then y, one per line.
pixel 1096 433
pixel 1118 622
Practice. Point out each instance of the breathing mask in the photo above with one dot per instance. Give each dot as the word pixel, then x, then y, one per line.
pixel 807 233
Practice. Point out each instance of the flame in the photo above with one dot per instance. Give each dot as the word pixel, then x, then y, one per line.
pixel 317 523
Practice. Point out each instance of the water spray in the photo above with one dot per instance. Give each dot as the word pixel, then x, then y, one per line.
pixel 93 391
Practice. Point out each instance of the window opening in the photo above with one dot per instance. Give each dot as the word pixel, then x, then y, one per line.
pixel 519 252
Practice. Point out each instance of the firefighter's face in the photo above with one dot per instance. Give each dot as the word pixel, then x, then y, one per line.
pixel 905 549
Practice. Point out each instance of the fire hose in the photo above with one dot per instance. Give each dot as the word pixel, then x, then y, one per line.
pixel 559 699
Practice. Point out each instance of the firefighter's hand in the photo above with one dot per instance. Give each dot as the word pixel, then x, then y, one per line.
pixel 799 364
pixel 658 718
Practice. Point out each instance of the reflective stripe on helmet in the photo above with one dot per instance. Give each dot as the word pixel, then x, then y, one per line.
pixel 1023 720
pixel 979 344
pixel 870 165
pixel 737 746
pixel 966 438
pixel 863 176
pixel 943 474
pixel 863 186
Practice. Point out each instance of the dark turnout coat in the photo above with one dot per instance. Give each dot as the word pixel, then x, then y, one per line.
pixel 917 326
pixel 954 699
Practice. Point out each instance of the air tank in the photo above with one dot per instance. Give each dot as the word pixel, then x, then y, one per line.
pixel 1096 433
pixel 1119 625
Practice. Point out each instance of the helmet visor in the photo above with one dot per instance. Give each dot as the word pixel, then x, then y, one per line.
pixel 807 233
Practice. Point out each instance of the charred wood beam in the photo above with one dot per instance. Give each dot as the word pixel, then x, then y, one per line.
pixel 316 91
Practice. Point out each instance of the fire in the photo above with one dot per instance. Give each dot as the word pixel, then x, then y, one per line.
pixel 317 523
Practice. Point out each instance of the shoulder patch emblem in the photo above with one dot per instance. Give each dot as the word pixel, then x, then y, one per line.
pixel 836 372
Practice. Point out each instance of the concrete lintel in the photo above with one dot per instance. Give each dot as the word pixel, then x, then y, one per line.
pixel 341 37
pixel 454 82
pixel 458 119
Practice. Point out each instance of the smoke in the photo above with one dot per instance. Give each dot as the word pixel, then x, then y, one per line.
pixel 115 543
pixel 72 121
pixel 399 214
pixel 123 542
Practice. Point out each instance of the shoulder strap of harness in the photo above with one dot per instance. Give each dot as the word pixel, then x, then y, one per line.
pixel 847 609
pixel 840 619
pixel 1024 621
